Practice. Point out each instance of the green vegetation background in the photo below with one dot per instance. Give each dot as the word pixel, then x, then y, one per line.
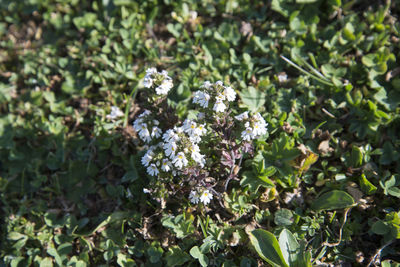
pixel 71 184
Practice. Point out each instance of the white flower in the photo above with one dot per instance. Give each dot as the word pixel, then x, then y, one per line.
pixel 247 134
pixel 196 156
pixel 194 197
pixel 188 125
pixel 230 93
pixel 242 116
pixel 170 135
pixel 146 159
pixel 219 106
pixel 259 126
pixel 144 133
pixel 201 98
pixel 148 78
pixel 137 124
pixel 219 83
pixel 152 170
pixel 156 132
pixel 145 113
pixel 259 129
pixel 166 165
pixel 180 160
pixel 115 113
pixel 170 149
pixel 206 197
pixel 164 87
pixel 206 85
pixel 282 77
pixel 146 191
pixel 200 130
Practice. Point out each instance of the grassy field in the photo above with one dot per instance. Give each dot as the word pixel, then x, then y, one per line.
pixel 320 188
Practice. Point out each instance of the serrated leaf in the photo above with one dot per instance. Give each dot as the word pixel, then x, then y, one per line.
pixel 267 247
pixel 335 199
pixel 252 98
pixel 254 182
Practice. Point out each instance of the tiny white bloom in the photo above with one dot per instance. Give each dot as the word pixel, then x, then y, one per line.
pixel 194 197
pixel 170 149
pixel 247 134
pixel 137 124
pixel 242 116
pixel 144 133
pixel 146 159
pixel 148 78
pixel 145 113
pixel 170 135
pixel 152 170
pixel 230 93
pixel 206 197
pixel 196 156
pixel 206 85
pixel 146 191
pixel 219 106
pixel 115 113
pixel 201 98
pixel 164 87
pixel 156 132
pixel 282 77
pixel 200 130
pixel 166 165
pixel 180 160
pixel 219 83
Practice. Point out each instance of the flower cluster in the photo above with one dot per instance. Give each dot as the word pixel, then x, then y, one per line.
pixel 217 93
pixel 146 127
pixel 179 151
pixel 255 126
pixel 205 196
pixel 159 80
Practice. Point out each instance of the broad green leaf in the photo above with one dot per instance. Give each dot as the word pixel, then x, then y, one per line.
pixel 252 98
pixel 267 247
pixel 46 262
pixel 176 256
pixel 289 246
pixel 283 217
pixel 380 228
pixel 335 199
pixel 196 253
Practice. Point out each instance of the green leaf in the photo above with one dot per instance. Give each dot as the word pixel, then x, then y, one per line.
pixel 380 228
pixel 252 98
pixel 289 246
pixel 366 186
pixel 254 182
pixel 46 262
pixel 388 154
pixel 335 199
pixel 267 247
pixel 283 217
pixel 196 253
pixel 176 256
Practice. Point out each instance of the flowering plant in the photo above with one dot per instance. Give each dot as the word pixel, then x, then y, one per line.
pixel 197 157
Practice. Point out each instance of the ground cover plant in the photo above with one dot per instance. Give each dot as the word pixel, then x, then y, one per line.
pixel 199 133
